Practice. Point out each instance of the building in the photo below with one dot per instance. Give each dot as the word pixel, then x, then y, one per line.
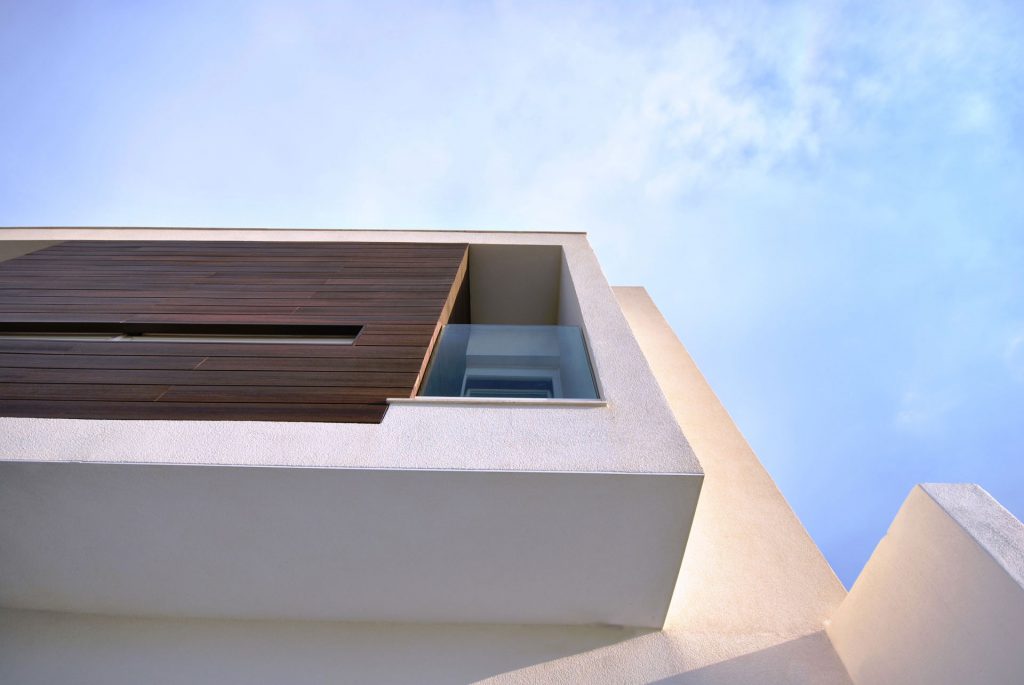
pixel 271 456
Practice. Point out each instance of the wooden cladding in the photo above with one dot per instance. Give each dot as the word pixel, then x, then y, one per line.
pixel 391 297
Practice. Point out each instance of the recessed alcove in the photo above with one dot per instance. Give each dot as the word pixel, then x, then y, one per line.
pixel 515 330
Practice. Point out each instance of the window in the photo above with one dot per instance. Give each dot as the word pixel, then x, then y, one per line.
pixel 487 360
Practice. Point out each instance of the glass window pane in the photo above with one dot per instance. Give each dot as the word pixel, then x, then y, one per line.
pixel 478 360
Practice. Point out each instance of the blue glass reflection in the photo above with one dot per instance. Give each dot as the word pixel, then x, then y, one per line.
pixel 535 362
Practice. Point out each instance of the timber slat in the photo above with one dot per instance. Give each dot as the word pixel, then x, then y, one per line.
pixel 65 392
pixel 272 394
pixel 266 350
pixel 90 361
pixel 200 376
pixel 394 293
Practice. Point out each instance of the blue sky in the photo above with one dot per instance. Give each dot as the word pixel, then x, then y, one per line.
pixel 825 199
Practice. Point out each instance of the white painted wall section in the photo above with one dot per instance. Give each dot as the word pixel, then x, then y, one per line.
pixel 749 607
pixel 941 601
pixel 342 544
pixel 634 433
pixel 443 512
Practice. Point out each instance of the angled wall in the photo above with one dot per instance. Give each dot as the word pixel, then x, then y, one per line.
pixel 941 601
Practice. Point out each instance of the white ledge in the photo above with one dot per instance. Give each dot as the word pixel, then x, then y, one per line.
pixel 497 401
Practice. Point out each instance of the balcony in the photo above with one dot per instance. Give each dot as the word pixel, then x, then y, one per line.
pixel 511 362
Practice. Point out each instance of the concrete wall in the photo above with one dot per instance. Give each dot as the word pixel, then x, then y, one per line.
pixel 941 601
pixel 749 607
pixel 634 433
pixel 402 490
pixel 938 603
pixel 342 544
pixel 514 284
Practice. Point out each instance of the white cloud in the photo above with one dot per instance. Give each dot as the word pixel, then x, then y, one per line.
pixel 921 411
pixel 977 113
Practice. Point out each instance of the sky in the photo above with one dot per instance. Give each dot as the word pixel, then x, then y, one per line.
pixel 825 199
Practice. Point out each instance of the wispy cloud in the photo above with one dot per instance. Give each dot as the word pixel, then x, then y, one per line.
pixel 1014 356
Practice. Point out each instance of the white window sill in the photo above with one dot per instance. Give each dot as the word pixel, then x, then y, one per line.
pixel 496 402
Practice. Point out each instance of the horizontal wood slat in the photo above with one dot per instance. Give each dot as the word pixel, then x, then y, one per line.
pixel 179 363
pixel 343 379
pixel 89 361
pixel 266 351
pixel 394 293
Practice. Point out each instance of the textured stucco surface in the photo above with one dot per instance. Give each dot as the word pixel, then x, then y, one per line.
pixel 941 601
pixel 634 433
pixel 342 544
pixel 372 546
pixel 749 606
pixel 991 524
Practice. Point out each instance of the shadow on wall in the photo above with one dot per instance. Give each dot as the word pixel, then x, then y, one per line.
pixel 661 657
pixel 43 647
pixel 809 659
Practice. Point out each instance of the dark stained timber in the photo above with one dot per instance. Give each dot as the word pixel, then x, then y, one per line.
pixel 389 298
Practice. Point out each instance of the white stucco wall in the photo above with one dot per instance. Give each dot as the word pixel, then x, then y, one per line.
pixel 342 544
pixel 941 601
pixel 634 433
pixel 749 607
pixel 452 512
